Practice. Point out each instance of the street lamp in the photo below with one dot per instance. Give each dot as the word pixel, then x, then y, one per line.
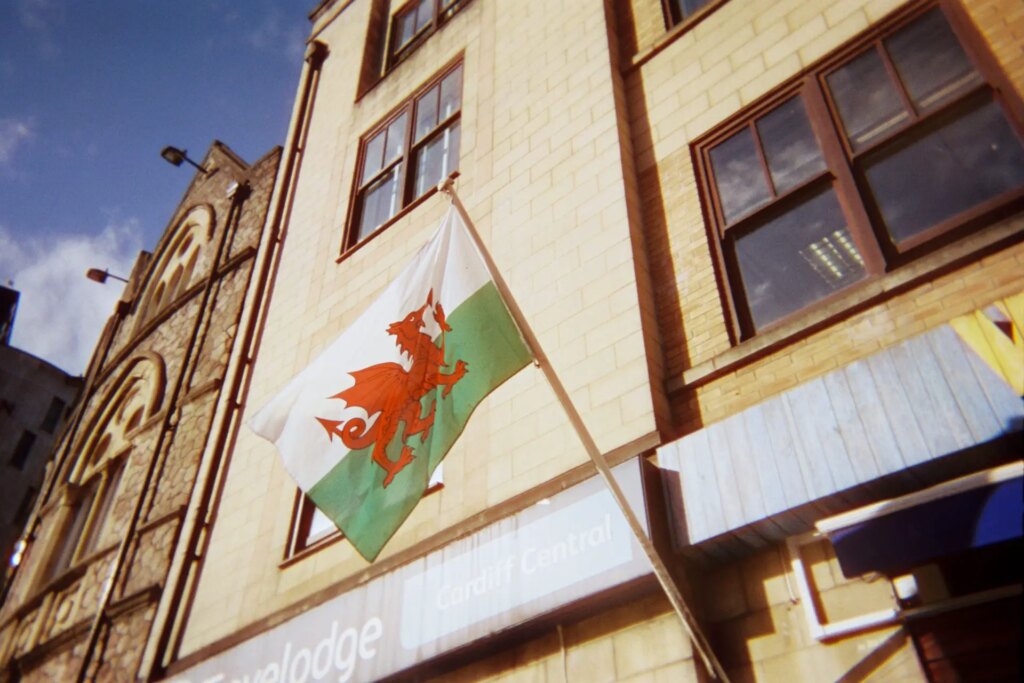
pixel 100 276
pixel 173 155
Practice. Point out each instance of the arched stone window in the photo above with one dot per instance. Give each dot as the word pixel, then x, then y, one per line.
pixel 174 267
pixel 92 485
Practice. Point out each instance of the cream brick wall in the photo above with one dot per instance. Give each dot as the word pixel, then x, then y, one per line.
pixel 755 619
pixel 642 642
pixel 541 175
pixel 680 88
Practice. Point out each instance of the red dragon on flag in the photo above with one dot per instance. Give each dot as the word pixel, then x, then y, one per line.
pixel 395 393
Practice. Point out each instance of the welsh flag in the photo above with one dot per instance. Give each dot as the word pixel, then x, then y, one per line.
pixel 363 427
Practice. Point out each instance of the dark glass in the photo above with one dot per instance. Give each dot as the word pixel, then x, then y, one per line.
pixel 684 8
pixel 437 159
pixel 451 93
pixel 868 102
pixel 374 157
pixel 426 113
pixel 950 170
pixel 424 14
pixel 930 61
pixel 739 176
pixel 92 537
pixel 380 202
pixel 797 259
pixel 396 139
pixel 789 145
pixel 406 29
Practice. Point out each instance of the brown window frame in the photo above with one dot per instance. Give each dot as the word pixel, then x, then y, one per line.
pixel 299 542
pixel 442 12
pixel 845 166
pixel 411 148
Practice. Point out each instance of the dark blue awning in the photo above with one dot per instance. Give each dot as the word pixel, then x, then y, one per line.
pixel 894 542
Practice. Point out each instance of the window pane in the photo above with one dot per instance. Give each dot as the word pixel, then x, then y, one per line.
pixel 437 159
pixel 451 93
pixel 396 139
pixel 424 14
pixel 684 8
pixel 380 202
pixel 955 167
pixel 406 30
pixel 102 512
pixel 789 145
pixel 867 99
pixel 739 176
pixel 374 156
pixel 426 113
pixel 797 259
pixel 320 526
pixel 930 61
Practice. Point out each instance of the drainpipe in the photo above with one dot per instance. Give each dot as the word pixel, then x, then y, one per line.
pixel 175 604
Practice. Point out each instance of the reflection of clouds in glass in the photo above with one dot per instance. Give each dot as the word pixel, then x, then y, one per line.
pixel 789 145
pixel 738 175
pixel 955 168
pixel 868 102
pixel 930 61
pixel 777 278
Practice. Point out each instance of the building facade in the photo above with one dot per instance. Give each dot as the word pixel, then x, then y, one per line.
pixel 772 250
pixel 110 517
pixel 35 401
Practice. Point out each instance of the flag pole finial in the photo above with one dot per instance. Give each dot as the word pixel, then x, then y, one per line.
pixel 447 186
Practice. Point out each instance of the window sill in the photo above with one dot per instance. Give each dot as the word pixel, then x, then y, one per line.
pixel 870 293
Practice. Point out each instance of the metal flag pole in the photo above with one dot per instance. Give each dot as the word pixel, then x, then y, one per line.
pixel 669 586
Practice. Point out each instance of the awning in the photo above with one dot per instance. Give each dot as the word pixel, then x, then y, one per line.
pixel 896 535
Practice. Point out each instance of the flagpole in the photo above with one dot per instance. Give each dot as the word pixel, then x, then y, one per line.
pixel 672 591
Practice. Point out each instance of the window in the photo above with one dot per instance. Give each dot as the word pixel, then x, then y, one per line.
pixel 864 163
pixel 407 154
pixel 25 508
pixel 680 11
pixel 312 528
pixel 22 450
pixel 174 271
pixel 53 415
pixel 416 20
pixel 86 518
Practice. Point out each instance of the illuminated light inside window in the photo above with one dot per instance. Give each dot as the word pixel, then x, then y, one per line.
pixel 834 258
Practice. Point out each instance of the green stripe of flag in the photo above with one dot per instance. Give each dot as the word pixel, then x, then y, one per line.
pixel 484 335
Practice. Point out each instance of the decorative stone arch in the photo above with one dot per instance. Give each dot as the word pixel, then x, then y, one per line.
pixel 92 483
pixel 136 395
pixel 174 266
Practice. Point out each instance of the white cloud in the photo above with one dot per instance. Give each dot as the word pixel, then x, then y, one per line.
pixel 41 17
pixel 273 34
pixel 61 313
pixel 13 132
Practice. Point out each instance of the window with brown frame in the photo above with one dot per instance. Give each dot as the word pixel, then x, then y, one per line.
pixel 880 153
pixel 681 11
pixel 416 20
pixel 407 154
pixel 311 528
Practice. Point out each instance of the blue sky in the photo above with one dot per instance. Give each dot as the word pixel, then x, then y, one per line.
pixel 90 92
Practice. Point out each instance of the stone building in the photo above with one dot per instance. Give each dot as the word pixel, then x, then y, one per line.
pixel 35 401
pixel 772 250
pixel 156 401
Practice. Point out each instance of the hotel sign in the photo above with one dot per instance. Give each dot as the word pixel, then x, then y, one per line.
pixel 573 545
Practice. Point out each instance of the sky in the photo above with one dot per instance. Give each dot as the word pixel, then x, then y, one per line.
pixel 90 92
